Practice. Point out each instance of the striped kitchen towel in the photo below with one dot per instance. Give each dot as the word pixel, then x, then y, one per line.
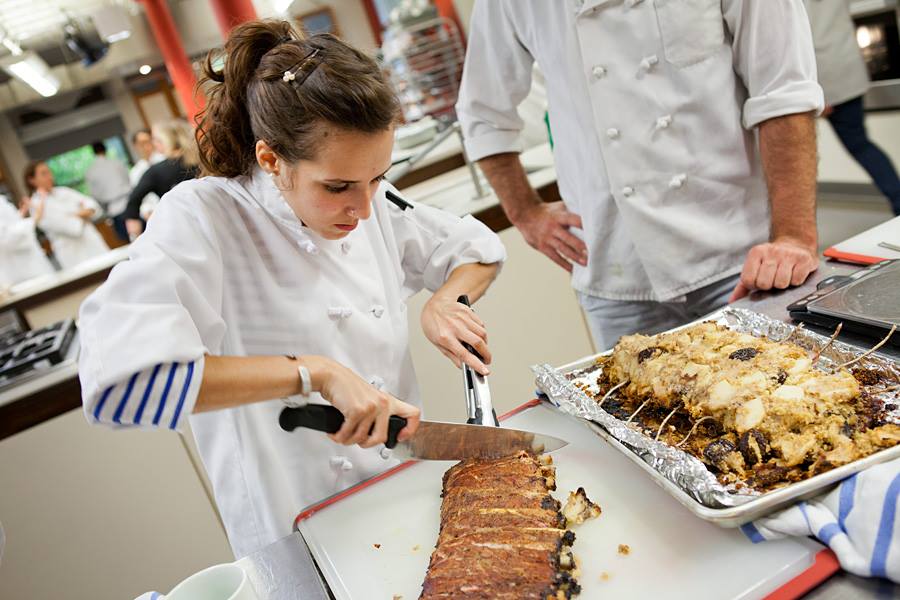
pixel 858 520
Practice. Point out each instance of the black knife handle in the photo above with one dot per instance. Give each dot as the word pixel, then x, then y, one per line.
pixel 464 299
pixel 329 420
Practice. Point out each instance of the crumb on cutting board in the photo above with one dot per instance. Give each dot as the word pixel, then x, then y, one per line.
pixel 579 508
pixel 416 548
pixel 604 576
pixel 624 549
pixel 397 597
pixel 378 546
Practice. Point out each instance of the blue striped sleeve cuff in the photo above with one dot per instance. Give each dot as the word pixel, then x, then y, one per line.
pixel 161 396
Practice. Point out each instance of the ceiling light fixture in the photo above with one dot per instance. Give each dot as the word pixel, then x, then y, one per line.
pixel 145 69
pixel 32 70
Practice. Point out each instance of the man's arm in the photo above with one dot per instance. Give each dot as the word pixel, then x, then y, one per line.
pixel 773 55
pixel 787 147
pixel 545 226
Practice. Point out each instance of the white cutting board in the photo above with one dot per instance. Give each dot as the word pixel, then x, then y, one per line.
pixel 674 554
pixel 863 248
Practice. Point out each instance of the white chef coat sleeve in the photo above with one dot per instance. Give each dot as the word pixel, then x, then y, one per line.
pixel 16 233
pixel 145 332
pixel 775 58
pixel 496 78
pixel 86 201
pixel 432 243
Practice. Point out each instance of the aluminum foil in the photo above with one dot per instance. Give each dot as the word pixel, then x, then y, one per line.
pixel 679 467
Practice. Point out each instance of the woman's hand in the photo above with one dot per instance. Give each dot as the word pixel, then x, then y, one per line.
pixel 24 206
pixel 134 228
pixel 447 323
pixel 365 408
pixel 85 214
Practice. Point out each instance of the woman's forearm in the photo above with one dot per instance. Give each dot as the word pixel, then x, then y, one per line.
pixel 471 279
pixel 230 381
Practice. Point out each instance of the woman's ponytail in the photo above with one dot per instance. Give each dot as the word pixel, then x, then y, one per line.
pixel 224 134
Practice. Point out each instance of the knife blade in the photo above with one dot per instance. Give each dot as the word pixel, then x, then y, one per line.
pixel 433 440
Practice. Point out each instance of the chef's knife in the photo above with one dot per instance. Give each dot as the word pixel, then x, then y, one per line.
pixel 432 440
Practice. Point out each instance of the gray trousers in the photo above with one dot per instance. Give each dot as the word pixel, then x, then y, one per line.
pixel 611 319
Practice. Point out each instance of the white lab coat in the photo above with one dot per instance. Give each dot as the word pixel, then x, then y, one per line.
pixel 842 71
pixel 226 268
pixel 21 257
pixel 652 105
pixel 74 240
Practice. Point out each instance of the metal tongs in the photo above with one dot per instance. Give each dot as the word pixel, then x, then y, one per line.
pixel 479 407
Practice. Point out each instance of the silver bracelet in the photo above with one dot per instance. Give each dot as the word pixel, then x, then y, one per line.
pixel 305 380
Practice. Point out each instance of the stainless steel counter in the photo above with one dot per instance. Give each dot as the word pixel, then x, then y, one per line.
pixel 285 570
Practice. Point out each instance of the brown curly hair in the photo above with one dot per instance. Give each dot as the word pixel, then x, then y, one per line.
pixel 248 99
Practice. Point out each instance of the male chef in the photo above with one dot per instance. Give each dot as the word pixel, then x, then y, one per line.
pixel 684 146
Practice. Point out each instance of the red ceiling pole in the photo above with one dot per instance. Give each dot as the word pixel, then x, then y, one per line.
pixel 177 64
pixel 372 16
pixel 448 10
pixel 232 12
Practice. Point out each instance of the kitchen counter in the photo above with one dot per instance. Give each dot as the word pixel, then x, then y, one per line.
pixel 46 288
pixel 281 570
pixel 454 191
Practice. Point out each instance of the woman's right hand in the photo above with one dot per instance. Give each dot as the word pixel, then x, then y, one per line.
pixel 365 408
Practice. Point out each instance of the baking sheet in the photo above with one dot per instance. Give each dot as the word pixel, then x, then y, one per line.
pixel 684 476
pixel 688 558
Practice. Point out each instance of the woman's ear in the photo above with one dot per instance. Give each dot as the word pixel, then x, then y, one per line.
pixel 266 158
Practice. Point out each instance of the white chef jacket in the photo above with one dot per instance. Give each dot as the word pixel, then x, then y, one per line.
pixel 21 257
pixel 842 71
pixel 226 268
pixel 74 240
pixel 107 179
pixel 647 99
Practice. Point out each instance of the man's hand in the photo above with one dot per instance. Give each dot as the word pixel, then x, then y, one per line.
pixel 546 226
pixel 776 265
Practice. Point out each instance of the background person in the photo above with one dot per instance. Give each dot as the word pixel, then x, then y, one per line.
pixel 108 183
pixel 175 140
pixel 844 78
pixel 142 141
pixel 21 256
pixel 64 215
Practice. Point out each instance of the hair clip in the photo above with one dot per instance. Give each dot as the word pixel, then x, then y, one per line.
pixel 304 68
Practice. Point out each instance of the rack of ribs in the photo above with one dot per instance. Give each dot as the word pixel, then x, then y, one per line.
pixel 502 534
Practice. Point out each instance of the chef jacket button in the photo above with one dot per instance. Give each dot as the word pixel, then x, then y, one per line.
pixel 341 462
pixel 309 246
pixel 628 191
pixel 376 382
pixel 598 72
pixel 339 312
pixel 345 247
pixel 649 62
pixel 612 133
pixel 377 310
pixel 663 122
pixel 677 181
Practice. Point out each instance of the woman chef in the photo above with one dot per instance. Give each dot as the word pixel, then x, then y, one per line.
pixel 290 248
